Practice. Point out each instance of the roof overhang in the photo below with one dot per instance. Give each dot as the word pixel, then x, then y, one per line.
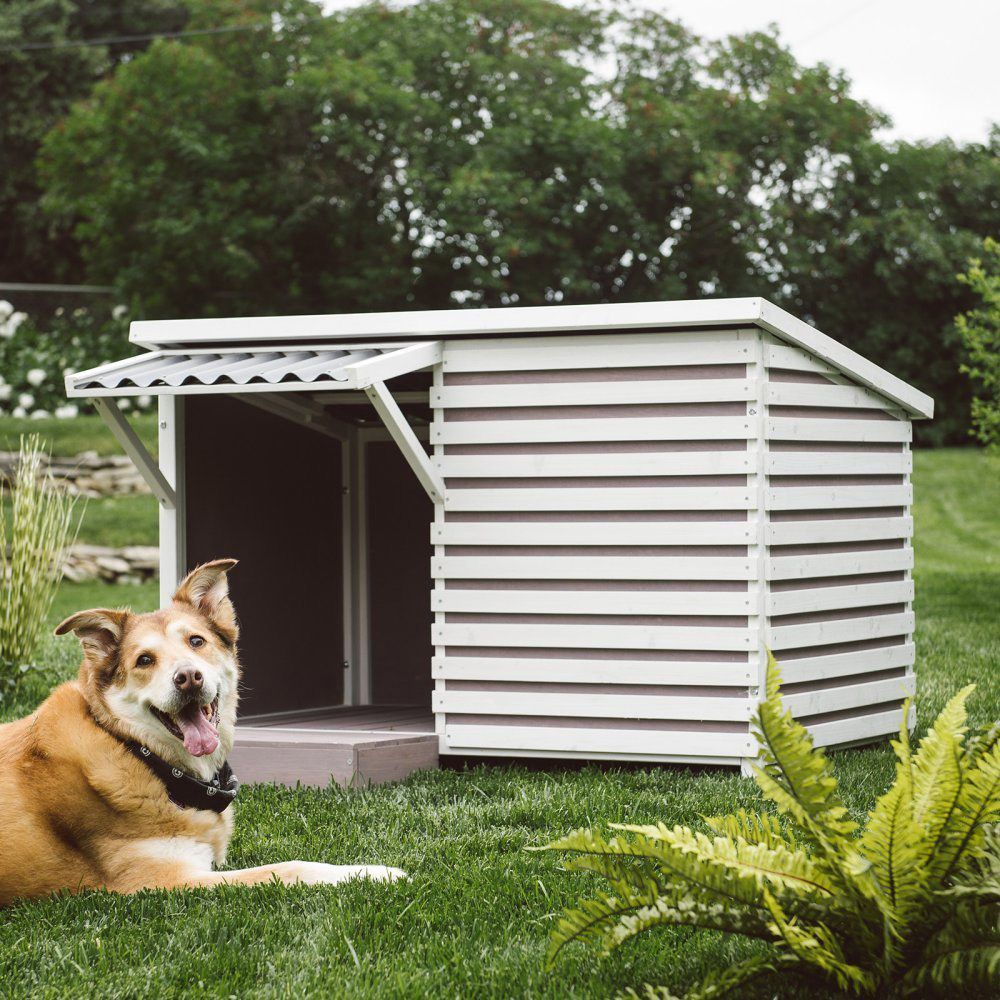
pixel 254 369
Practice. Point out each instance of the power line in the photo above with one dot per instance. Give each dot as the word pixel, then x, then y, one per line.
pixel 79 43
pixel 836 22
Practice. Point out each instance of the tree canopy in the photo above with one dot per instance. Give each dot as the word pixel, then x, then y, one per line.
pixel 464 152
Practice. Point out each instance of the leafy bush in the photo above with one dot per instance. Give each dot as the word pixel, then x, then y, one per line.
pixel 980 331
pixel 41 525
pixel 35 356
pixel 908 905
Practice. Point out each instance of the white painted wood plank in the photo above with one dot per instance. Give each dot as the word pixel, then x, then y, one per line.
pixel 809 394
pixel 591 602
pixel 594 706
pixel 838 463
pixel 837 497
pixel 593 498
pixel 618 429
pixel 848 696
pixel 394 363
pixel 856 730
pixel 133 446
pixel 845 630
pixel 591 533
pixel 594 636
pixel 862 661
pixel 821 429
pixel 660 463
pixel 854 529
pixel 593 393
pixel 592 568
pixel 795 359
pixel 637 741
pixel 605 671
pixel 839 564
pixel 621 351
pixel 791 602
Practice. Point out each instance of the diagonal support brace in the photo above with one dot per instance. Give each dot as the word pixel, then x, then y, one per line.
pixel 401 432
pixel 136 450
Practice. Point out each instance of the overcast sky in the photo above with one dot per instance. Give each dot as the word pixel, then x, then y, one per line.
pixel 932 65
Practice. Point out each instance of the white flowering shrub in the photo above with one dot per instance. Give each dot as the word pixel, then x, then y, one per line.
pixel 37 354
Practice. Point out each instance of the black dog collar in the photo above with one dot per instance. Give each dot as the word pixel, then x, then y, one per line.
pixel 184 789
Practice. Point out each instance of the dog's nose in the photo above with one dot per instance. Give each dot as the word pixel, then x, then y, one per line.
pixel 188 680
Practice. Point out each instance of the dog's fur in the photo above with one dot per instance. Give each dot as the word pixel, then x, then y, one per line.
pixel 78 811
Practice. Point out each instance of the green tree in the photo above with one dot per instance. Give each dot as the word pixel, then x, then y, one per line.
pixel 38 86
pixel 469 152
pixel 980 332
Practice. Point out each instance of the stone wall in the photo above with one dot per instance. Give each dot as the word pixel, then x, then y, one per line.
pixel 131 564
pixel 87 474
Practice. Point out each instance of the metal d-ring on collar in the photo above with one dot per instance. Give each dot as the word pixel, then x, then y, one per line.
pixel 184 789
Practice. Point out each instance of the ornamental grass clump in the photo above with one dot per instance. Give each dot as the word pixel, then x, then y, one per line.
pixel 908 905
pixel 34 531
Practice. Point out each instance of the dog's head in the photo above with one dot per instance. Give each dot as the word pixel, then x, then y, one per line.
pixel 167 679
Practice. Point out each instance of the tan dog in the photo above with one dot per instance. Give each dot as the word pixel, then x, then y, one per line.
pixel 118 781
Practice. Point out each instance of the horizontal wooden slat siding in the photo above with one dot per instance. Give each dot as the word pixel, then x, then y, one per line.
pixel 603 670
pixel 794 359
pixel 621 602
pixel 838 463
pixel 633 742
pixel 619 351
pixel 824 497
pixel 807 394
pixel 842 530
pixel 838 503
pixel 592 393
pixel 790 602
pixel 595 536
pixel 849 630
pixel 568 498
pixel 707 463
pixel 859 728
pixel 594 636
pixel 849 696
pixel 598 568
pixel 821 429
pixel 591 533
pixel 824 665
pixel 625 429
pixel 601 706
pixel 840 564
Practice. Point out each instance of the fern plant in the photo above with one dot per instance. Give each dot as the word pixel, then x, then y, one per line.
pixel 907 906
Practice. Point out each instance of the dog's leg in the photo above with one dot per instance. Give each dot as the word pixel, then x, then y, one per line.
pixel 180 876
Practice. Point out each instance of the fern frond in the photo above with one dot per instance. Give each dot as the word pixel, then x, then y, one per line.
pixel 808 788
pixel 895 845
pixel 754 828
pixel 964 954
pixel 981 878
pixel 977 807
pixel 591 920
pixel 760 863
pixel 815 945
pixel 720 982
pixel 982 741
pixel 937 762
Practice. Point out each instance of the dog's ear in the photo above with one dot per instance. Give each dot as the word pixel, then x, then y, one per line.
pixel 100 632
pixel 206 588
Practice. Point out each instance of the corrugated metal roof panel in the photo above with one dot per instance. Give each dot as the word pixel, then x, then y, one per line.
pixel 246 371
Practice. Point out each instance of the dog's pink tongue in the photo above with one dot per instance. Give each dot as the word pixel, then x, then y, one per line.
pixel 200 736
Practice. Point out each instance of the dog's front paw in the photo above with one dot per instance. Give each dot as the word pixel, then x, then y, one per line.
pixel 317 873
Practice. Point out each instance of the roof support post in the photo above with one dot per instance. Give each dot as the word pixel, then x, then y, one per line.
pixel 401 432
pixel 136 450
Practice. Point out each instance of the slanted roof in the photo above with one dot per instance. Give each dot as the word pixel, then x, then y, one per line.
pixel 253 334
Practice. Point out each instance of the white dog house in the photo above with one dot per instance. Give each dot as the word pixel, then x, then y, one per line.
pixel 615 510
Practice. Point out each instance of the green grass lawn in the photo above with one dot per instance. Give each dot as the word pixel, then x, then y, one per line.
pixel 473 921
pixel 70 437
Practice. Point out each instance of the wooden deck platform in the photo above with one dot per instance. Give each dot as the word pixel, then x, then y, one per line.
pixel 353 746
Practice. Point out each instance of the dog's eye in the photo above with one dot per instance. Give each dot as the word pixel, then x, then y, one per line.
pixel 196 641
pixel 144 661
